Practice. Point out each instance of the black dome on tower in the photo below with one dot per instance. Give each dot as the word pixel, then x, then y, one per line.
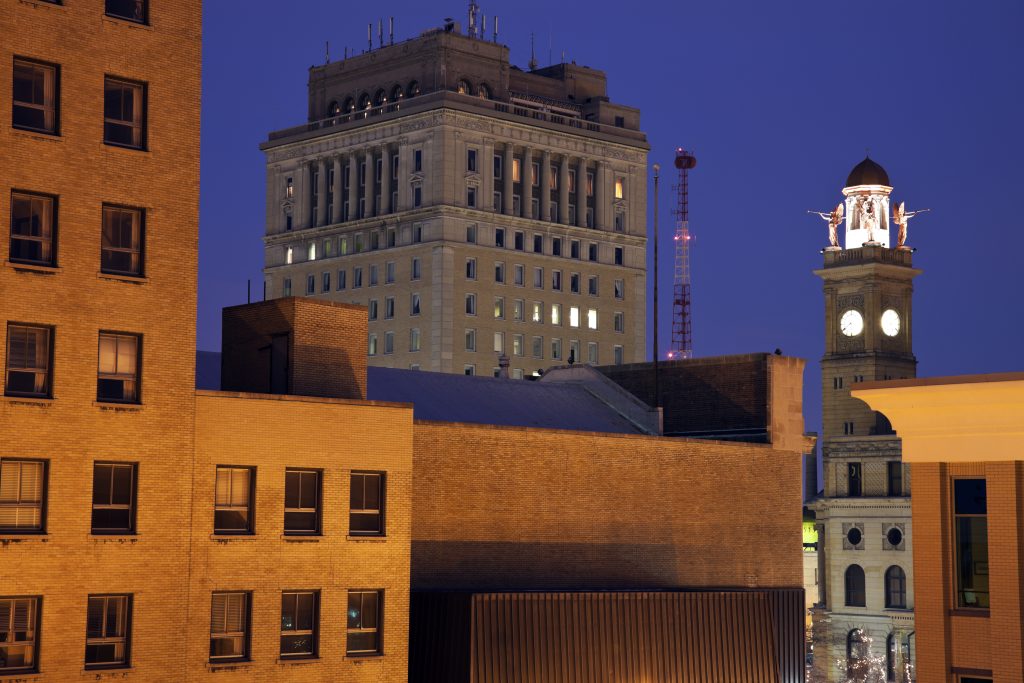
pixel 867 172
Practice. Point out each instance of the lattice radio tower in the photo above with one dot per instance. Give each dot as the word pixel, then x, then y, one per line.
pixel 682 342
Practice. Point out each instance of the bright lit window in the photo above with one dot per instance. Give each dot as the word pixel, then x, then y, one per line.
pixel 620 188
pixel 592 318
pixel 574 316
pixel 556 314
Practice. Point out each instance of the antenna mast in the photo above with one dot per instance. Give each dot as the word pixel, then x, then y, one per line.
pixel 682 342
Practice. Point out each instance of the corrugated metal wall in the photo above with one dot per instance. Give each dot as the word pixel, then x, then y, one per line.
pixel 751 636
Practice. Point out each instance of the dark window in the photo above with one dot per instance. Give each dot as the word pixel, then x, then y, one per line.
pixel 890 657
pixel 620 122
pixel 310 284
pixel 520 241
pixel 131 10
pixel 574 249
pixel 417 196
pixel 33 229
pixel 417 161
pixel 895 478
pixel 471 197
pixel 471 160
pixel 121 247
pixel 592 252
pixel 853 473
pixel 325 282
pixel 556 246
pixel 22 498
pixel 895 588
pixel 229 626
pixel 29 361
pixel 854 536
pixel 854 586
pixel 113 498
pixel 471 234
pixel 970 512
pixel 858 661
pixel 366 503
pixel 538 244
pixel 124 113
pixel 118 378
pixel 299 623
pixel 364 617
pixel 36 96
pixel 19 635
pixel 499 237
pixel 286 287
pixel 302 502
pixel 497 166
pixel 894 536
pixel 107 629
pixel 233 504
pixel 618 256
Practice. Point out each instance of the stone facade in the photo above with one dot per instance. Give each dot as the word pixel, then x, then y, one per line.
pixel 503 211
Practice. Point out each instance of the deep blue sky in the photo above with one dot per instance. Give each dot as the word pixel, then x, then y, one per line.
pixel 779 101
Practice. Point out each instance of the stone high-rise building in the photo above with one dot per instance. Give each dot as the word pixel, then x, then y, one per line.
pixel 475 208
pixel 865 618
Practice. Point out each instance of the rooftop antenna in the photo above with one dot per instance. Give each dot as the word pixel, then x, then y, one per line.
pixel 495 29
pixel 380 32
pixel 549 44
pixel 369 35
pixel 483 27
pixel 533 56
pixel 327 50
pixel 474 9
pixel 391 30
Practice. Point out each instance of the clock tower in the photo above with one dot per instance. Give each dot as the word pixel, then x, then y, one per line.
pixel 863 517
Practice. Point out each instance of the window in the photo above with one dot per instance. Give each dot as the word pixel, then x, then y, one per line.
pixel 471 234
pixel 858 662
pixel 592 318
pixel 620 321
pixel 499 307
pixel 538 347
pixel 497 166
pixel 415 272
pixel 499 342
pixel 373 275
pixel 229 626
pixel 300 621
pixel 574 316
pixel 132 10
pixel 499 237
pixel 113 498
pixel 556 280
pixel 537 315
pixel 617 354
pixel 389 342
pixel 36 98
pixel 341 280
pixel 471 340
pixel 124 113
pixel 854 586
pixel 517 170
pixel 499 272
pixel 414 304
pixel 471 160
pixel 286 287
pixel 556 349
pixel 471 304
pixel 535 208
pixel 895 478
pixel 366 504
pixel 496 199
pixel 374 240
pixel 620 221
pixel 574 249
pixel 618 256
pixel 325 282
pixel 389 307
pixel 535 173
pixel 520 241
pixel 301 502
pixel 389 272
pixel 538 244
pixel 538 278
pixel 592 252
pixel 364 617
pixel 517 310
pixel 358 242
pixel 417 195
pixel 371 345
pixel 970 513
pixel 517 345
pixel 19 635
pixel 414 339
pixel 310 284
pixel 33 229
pixel 471 269
pixel 118 378
pixel 556 314
pixel 371 309
pixel 233 498
pixel 895 588
pixel 620 187
pixel 590 184
pixel 357 277
pixel 29 359
pixel 592 285
pixel 289 255
pixel 417 161
pixel 592 353
pixel 620 289
pixel 22 501
pixel 107 625
pixel 574 283
pixel 574 351
pixel 471 197
pixel 518 274
pixel 853 473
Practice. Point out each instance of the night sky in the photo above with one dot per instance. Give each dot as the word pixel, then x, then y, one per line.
pixel 778 100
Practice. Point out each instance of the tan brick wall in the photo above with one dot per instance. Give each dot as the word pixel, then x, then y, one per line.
pixel 71 431
pixel 527 508
pixel 336 436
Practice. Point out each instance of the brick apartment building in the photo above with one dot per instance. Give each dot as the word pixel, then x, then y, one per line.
pixel 962 437
pixel 475 208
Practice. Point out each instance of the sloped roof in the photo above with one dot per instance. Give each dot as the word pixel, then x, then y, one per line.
pixel 446 397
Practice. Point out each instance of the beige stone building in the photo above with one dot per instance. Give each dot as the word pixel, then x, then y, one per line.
pixel 475 208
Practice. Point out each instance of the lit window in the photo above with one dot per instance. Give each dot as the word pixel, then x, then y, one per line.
pixel 366 504
pixel 516 170
pixel 372 345
pixel 538 312
pixel 517 310
pixel 233 500
pixel 289 189
pixel 118 379
pixel 299 624
pixel 288 256
pixel 556 314
pixel 124 113
pixel 574 316
pixel 301 502
pixel 19 635
pixel 113 498
pixel 22 492
pixel 311 252
pixel 499 342
pixel 499 307
pixel 28 361
pixel 36 98
pixel 414 339
pixel 592 318
pixel 229 626
pixel 517 345
pixel 364 616
pixel 33 229
pixel 620 188
pixel 106 631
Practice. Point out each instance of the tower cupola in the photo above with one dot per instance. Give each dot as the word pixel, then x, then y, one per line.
pixel 867 205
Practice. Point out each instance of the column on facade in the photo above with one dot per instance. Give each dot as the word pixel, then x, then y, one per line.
pixel 369 181
pixel 581 193
pixel 526 204
pixel 353 186
pixel 338 201
pixel 599 196
pixel 506 192
pixel 321 192
pixel 385 181
pixel 545 186
pixel 563 190
pixel 486 165
pixel 404 200
pixel 304 192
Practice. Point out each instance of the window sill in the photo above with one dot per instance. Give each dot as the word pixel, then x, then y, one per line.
pixel 366 539
pixel 29 400
pixel 16 537
pixel 969 612
pixel 287 661
pixel 358 659
pixel 133 279
pixel 25 676
pixel 37 135
pixel 118 407
pixel 299 538
pixel 114 538
pixel 108 671
pixel 229 666
pixel 39 3
pixel 33 268
pixel 125 148
pixel 229 538
pixel 131 23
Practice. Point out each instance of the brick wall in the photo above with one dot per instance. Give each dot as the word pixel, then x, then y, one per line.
pixel 541 509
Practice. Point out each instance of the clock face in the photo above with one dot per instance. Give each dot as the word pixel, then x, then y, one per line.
pixel 852 323
pixel 890 323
